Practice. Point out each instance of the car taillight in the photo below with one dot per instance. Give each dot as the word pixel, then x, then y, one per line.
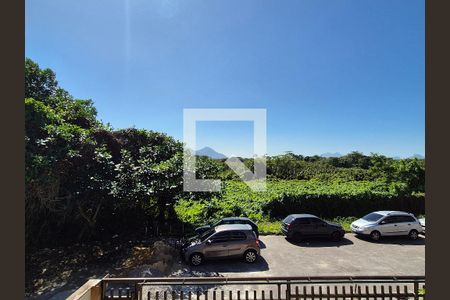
pixel 257 243
pixel 289 225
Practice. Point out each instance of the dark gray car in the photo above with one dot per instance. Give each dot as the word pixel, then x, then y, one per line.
pixel 223 241
pixel 300 226
pixel 227 221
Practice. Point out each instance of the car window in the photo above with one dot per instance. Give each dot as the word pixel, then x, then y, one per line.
pixel 288 219
pixel 303 221
pixel 372 217
pixel 405 219
pixel 207 234
pixel 411 219
pixel 220 237
pixel 238 236
pixel 390 220
pixel 253 225
pixel 316 221
pixel 217 223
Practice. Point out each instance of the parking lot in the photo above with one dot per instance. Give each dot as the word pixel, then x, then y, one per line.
pixel 353 255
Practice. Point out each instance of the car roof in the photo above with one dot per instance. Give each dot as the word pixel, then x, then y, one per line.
pixel 233 227
pixel 392 212
pixel 298 216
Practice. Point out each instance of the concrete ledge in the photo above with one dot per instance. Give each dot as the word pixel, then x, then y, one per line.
pixel 88 291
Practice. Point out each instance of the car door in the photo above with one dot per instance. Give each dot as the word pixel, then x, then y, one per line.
pixel 405 224
pixel 319 227
pixel 388 226
pixel 303 226
pixel 237 244
pixel 217 245
pixel 398 225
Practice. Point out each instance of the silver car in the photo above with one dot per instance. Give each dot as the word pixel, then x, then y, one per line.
pixel 387 223
pixel 223 241
pixel 422 222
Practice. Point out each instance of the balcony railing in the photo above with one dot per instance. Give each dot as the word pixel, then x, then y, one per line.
pixel 254 288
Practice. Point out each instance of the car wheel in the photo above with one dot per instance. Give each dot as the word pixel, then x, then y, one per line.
pixel 336 236
pixel 375 235
pixel 250 256
pixel 196 259
pixel 413 234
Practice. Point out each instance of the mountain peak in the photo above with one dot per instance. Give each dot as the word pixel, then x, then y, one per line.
pixel 210 152
pixel 328 154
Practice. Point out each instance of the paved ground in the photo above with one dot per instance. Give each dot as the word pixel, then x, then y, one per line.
pixel 279 257
pixel 352 256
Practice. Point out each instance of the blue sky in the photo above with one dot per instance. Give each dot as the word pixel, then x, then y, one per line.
pixel 334 75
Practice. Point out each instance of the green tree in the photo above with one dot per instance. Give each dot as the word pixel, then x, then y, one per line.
pixel 40 84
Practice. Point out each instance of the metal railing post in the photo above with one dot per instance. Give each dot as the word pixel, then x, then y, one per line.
pixel 416 290
pixel 102 290
pixel 288 290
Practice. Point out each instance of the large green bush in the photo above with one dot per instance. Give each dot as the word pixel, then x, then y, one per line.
pixel 283 197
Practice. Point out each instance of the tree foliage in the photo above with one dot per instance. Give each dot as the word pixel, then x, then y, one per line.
pixel 83 178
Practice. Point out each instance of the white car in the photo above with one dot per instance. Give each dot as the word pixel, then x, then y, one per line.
pixel 387 223
pixel 422 222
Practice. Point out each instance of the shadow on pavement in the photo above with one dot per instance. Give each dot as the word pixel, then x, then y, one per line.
pixel 231 265
pixel 320 242
pixel 395 240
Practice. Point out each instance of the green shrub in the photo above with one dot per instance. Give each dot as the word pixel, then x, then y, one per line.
pixel 269 227
pixel 283 197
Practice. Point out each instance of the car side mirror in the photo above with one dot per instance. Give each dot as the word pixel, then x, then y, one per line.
pixel 208 242
pixel 382 222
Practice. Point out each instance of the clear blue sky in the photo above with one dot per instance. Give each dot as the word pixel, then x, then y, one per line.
pixel 334 76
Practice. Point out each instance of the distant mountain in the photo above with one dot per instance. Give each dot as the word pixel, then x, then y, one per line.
pixel 210 152
pixel 418 156
pixel 328 154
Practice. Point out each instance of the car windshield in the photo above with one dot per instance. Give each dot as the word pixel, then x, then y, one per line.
pixel 206 234
pixel 288 219
pixel 372 217
pixel 217 223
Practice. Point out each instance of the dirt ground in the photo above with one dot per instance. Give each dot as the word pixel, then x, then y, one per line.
pixel 53 271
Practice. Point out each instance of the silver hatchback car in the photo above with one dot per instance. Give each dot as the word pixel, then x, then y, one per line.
pixel 387 223
pixel 223 241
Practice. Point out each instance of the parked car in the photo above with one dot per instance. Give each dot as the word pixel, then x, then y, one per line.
pixel 387 223
pixel 422 223
pixel 300 226
pixel 223 241
pixel 227 221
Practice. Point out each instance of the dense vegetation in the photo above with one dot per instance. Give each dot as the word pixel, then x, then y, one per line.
pixel 87 180
pixel 323 198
